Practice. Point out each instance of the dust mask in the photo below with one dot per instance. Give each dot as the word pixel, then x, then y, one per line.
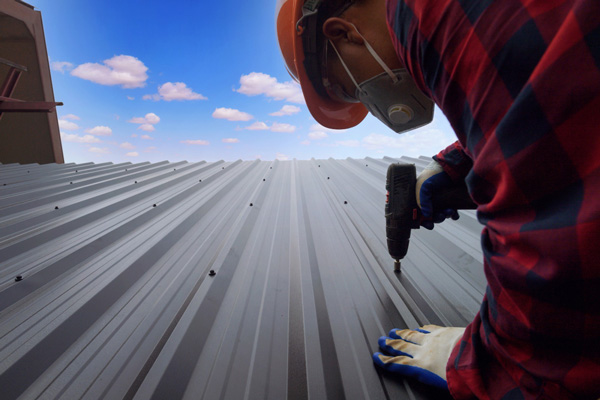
pixel 392 96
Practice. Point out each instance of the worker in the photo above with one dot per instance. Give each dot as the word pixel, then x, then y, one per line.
pixel 519 81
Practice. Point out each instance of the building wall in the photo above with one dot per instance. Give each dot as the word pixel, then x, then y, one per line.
pixel 27 137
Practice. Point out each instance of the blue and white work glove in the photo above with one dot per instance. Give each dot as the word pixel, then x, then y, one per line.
pixel 431 180
pixel 421 354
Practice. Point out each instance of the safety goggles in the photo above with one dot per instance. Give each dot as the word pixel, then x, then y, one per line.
pixel 334 90
pixel 315 45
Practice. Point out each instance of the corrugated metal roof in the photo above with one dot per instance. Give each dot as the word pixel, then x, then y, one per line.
pixel 117 300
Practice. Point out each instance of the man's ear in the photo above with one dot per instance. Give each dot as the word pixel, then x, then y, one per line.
pixel 337 28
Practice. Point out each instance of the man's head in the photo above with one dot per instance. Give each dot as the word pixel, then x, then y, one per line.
pixel 342 55
pixel 364 20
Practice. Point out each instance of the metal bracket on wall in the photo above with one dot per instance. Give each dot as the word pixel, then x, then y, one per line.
pixel 9 104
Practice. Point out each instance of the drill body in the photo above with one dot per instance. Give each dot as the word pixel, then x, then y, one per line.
pixel 402 213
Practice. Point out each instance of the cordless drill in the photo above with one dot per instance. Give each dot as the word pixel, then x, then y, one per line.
pixel 402 212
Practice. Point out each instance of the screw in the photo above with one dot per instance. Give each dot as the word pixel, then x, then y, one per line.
pixel 319 165
pixel 18 278
pixel 212 272
pixel 174 169
pixel 76 171
pixel 154 205
pixel 250 204
pixel 367 165
pixel 71 183
pixel 327 177
pixel 56 208
pixel 200 180
pixel 135 181
pixel 223 168
pixel 264 180
pixel 345 202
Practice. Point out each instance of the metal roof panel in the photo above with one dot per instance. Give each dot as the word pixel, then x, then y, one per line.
pixel 117 299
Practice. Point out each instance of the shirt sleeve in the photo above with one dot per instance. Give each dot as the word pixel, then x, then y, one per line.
pixel 455 161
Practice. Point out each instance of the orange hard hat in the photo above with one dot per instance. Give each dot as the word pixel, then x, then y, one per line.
pixel 296 29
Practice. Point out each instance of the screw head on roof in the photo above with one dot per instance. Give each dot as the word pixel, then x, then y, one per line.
pixel 153 205
pixel 70 183
pixel 327 177
pixel 56 208
pixel 76 171
pixel 271 168
pixel 135 182
pixel 174 169
pixel 200 180
pixel 264 179
pixel 251 204
pixel 18 278
pixel 345 202
pixel 319 165
pixel 367 165
pixel 212 272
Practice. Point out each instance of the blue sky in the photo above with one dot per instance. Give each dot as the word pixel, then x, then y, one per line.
pixel 193 80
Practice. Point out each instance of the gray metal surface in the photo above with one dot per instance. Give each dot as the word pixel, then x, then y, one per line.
pixel 116 299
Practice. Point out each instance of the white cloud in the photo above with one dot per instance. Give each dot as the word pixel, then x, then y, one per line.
pixel 231 114
pixel 305 142
pixel 132 154
pixel 231 140
pixel 146 127
pixel 277 127
pixel 317 135
pixel 74 138
pixel 170 91
pixel 282 157
pixel 61 66
pixel 127 145
pixel 319 127
pixel 147 137
pixel 286 110
pixel 149 118
pixel 98 150
pixel 134 135
pixel 196 142
pixel 178 91
pixel 72 117
pixel 100 131
pixel 348 143
pixel 258 126
pixel 67 125
pixel 127 71
pixel 420 142
pixel 257 83
pixel 150 149
pixel 130 98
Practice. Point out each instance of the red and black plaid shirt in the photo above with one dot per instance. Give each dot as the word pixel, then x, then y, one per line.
pixel 519 80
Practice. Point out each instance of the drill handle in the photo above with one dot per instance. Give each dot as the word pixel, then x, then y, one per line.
pixel 456 197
